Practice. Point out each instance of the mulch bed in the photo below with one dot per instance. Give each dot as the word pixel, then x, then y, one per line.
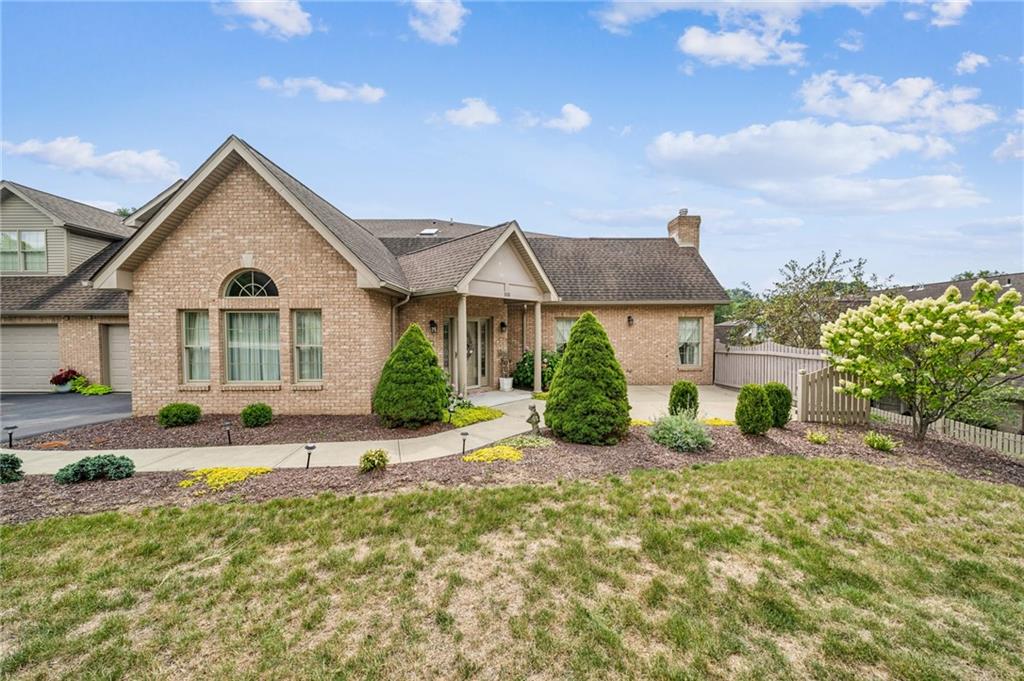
pixel 37 496
pixel 143 432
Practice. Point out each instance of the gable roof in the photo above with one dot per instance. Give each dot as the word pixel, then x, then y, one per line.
pixel 627 270
pixel 149 209
pixel 444 265
pixel 936 289
pixel 74 214
pixel 411 227
pixel 63 295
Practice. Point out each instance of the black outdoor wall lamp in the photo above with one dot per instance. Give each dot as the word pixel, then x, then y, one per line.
pixel 433 326
pixel 503 326
pixel 629 319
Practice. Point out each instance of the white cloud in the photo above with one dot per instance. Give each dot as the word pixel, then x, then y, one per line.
pixel 743 48
pixel 1013 145
pixel 969 62
pixel 625 217
pixel 342 92
pixel 527 119
pixel 71 153
pixel 573 119
pixel 438 21
pixel 851 41
pixel 618 16
pixel 949 12
pixel 813 165
pixel 474 112
pixel 280 19
pixel 915 102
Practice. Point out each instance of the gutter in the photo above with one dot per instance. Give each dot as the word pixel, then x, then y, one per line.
pixel 394 318
pixel 63 313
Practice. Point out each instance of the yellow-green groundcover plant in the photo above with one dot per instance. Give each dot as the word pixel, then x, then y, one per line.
pixel 933 353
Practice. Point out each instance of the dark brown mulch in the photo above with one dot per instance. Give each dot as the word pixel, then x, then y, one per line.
pixel 37 496
pixel 143 432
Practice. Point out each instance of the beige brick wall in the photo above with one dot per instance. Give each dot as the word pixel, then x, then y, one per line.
pixel 80 340
pixel 245 216
pixel 647 350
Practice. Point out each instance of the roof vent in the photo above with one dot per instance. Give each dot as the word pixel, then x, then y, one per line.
pixel 683 211
pixel 430 231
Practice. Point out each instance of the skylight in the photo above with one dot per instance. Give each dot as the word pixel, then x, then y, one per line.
pixel 429 231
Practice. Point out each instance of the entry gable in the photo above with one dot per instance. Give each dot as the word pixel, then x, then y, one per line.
pixel 345 237
pixel 509 269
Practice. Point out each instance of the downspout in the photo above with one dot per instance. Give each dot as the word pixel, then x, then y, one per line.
pixel 394 318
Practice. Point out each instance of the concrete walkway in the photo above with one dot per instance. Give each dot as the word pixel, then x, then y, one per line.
pixel 648 402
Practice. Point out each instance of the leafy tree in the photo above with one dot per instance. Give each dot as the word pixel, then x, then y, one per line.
pixel 738 297
pixel 991 408
pixel 125 212
pixel 980 274
pixel 412 388
pixel 933 353
pixel 587 402
pixel 806 296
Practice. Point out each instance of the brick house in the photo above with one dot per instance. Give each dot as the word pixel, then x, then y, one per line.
pixel 244 285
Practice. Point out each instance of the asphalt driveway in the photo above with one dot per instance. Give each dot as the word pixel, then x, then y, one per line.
pixel 36 413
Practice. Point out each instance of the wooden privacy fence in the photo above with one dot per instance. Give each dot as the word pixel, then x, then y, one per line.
pixel 818 402
pixel 1008 443
pixel 737 365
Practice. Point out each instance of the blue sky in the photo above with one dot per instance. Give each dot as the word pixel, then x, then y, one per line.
pixel 890 131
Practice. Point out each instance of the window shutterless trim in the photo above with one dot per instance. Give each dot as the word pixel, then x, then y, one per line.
pixel 296 347
pixel 186 379
pixel 225 350
pixel 21 253
pixel 700 343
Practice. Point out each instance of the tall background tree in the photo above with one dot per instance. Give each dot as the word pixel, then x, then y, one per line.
pixel 792 311
pixel 980 274
pixel 125 212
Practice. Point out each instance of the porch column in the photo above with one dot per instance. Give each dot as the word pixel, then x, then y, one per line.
pixel 461 364
pixel 537 359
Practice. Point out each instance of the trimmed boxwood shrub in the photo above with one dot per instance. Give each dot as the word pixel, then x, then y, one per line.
pixel 178 414
pixel 256 415
pixel 753 410
pixel 681 433
pixel 10 468
pixel 412 389
pixel 103 466
pixel 683 399
pixel 782 403
pixel 587 402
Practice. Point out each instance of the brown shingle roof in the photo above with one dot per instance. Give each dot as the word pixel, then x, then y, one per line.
pixel 75 213
pixel 63 295
pixel 936 289
pixel 411 227
pixel 444 265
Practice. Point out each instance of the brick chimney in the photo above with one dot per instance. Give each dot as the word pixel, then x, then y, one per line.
pixel 685 229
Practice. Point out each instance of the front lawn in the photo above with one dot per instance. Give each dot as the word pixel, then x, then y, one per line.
pixel 776 567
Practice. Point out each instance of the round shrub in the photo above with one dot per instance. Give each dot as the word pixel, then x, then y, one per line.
pixel 753 410
pixel 412 389
pixel 256 415
pixel 522 375
pixel 178 414
pixel 782 403
pixel 10 468
pixel 587 402
pixel 683 399
pixel 103 466
pixel 681 433
pixel 373 460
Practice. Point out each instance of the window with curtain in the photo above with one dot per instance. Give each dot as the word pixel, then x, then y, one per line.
pixel 253 350
pixel 689 341
pixel 22 251
pixel 309 346
pixel 251 284
pixel 195 343
pixel 562 328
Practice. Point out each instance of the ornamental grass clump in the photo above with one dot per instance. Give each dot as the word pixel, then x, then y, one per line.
pixel 412 390
pixel 10 468
pixel 753 410
pixel 781 400
pixel 373 460
pixel 257 415
pixel 681 433
pixel 880 442
pixel 100 467
pixel 587 402
pixel 683 399
pixel 216 479
pixel 178 414
pixel 495 453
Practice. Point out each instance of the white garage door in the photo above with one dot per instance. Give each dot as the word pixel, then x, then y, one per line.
pixel 119 359
pixel 29 355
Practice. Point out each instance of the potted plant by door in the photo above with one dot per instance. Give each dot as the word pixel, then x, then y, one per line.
pixel 505 380
pixel 62 379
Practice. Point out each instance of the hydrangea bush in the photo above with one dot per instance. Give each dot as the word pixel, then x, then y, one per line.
pixel 933 353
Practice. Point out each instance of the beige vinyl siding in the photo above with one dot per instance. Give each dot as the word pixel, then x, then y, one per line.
pixel 16 213
pixel 81 248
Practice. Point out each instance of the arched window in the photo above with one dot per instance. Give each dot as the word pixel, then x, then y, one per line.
pixel 251 284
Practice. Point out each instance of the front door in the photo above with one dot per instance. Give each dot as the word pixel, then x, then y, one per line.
pixel 477 351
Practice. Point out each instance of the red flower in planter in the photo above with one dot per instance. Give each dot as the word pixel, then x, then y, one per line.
pixel 63 376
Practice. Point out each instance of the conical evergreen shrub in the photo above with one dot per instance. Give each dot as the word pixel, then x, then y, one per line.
pixel 412 388
pixel 587 402
pixel 782 402
pixel 753 410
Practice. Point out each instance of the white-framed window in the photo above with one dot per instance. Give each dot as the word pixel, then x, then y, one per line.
pixel 309 345
pixel 563 325
pixel 250 284
pixel 195 345
pixel 252 347
pixel 689 341
pixel 22 250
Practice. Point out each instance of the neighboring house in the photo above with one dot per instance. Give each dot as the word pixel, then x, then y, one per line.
pixel 243 286
pixel 934 290
pixel 732 331
pixel 50 315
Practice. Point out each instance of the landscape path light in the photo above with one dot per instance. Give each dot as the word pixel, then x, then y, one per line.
pixel 464 435
pixel 227 429
pixel 10 435
pixel 309 452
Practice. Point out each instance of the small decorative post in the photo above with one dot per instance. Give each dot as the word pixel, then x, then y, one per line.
pixel 10 435
pixel 227 429
pixel 801 396
pixel 534 419
pixel 309 453
pixel 464 435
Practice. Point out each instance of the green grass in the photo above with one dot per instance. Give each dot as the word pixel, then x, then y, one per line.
pixel 763 568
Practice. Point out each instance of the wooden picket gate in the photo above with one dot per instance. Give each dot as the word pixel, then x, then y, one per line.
pixel 818 402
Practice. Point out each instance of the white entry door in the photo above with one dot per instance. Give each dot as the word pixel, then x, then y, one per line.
pixel 478 344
